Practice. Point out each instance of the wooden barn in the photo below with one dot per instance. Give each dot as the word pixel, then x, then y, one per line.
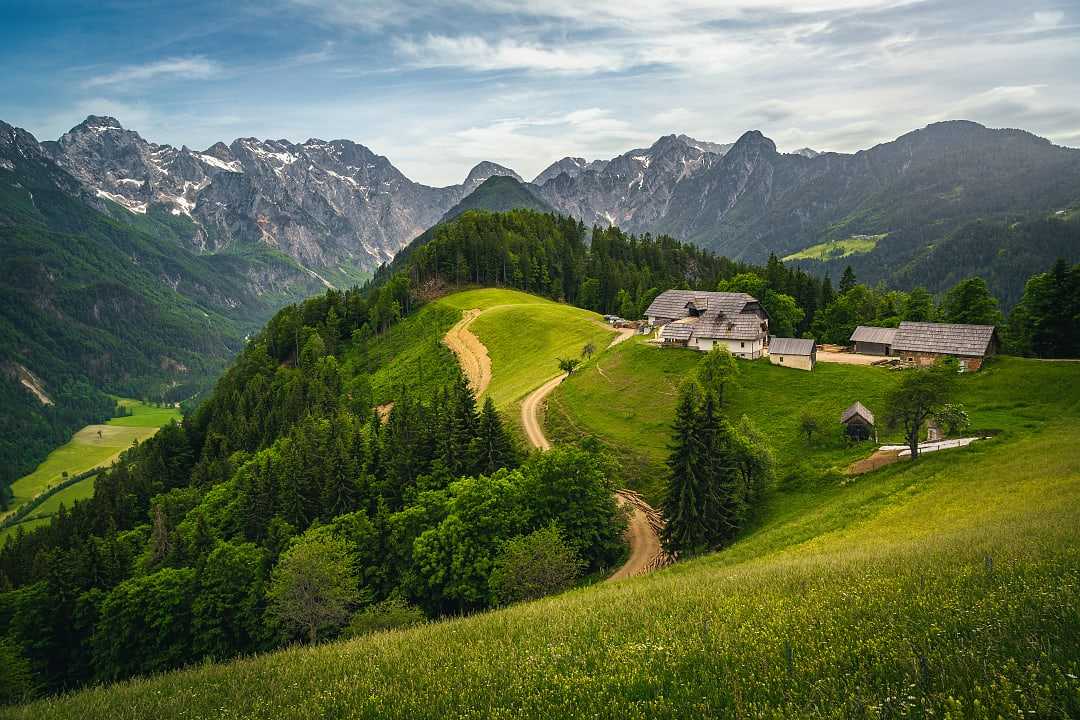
pixel 873 340
pixel 858 422
pixel 793 352
pixel 923 343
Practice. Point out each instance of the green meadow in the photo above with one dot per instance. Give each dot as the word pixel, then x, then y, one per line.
pixel 92 446
pixel 949 587
pixel 944 588
pixel 830 249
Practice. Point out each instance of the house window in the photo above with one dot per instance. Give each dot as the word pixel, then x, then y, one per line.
pixel 742 344
pixel 781 358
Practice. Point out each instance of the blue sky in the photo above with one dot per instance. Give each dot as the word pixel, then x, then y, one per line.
pixel 437 86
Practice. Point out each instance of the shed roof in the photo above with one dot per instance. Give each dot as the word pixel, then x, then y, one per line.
pixel 676 331
pixel 791 346
pixel 944 338
pixel 879 335
pixel 857 409
pixel 672 303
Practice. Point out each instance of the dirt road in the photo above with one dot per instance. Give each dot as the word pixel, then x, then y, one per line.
pixel 471 353
pixel 530 418
pixel 641 532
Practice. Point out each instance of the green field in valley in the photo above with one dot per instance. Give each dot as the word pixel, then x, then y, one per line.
pixel 831 249
pixel 949 587
pixel 92 446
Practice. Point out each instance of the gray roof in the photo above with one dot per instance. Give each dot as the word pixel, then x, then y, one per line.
pixel 857 408
pixel 944 338
pixel 791 346
pixel 676 331
pixel 671 304
pixel 743 326
pixel 880 335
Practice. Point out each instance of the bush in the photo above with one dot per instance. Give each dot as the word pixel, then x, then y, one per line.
pixel 390 614
pixel 531 566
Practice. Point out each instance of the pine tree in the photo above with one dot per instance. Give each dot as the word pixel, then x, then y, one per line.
pixel 494 446
pixel 685 531
pixel 462 425
pixel 847 280
pixel 713 472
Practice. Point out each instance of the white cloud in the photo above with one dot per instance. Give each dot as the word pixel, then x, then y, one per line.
pixel 189 68
pixel 476 53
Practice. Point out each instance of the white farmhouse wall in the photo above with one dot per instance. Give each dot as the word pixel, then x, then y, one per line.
pixel 747 349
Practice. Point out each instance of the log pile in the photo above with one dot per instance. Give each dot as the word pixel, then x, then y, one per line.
pixel 656 521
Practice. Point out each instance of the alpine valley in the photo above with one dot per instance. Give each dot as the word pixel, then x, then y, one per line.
pixel 138 269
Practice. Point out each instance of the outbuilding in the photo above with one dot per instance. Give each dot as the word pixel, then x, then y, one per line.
pixel 858 422
pixel 793 352
pixel 873 340
pixel 923 343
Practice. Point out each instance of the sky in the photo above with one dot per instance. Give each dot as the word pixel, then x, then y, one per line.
pixel 439 85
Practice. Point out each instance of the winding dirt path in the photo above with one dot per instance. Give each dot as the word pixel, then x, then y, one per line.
pixel 471 353
pixel 641 531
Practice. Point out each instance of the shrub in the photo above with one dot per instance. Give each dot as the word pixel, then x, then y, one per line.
pixel 531 566
pixel 390 614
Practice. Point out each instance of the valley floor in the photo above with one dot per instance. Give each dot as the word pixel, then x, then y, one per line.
pixel 94 446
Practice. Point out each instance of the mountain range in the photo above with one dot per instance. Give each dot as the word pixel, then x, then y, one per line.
pixel 339 210
pixel 139 268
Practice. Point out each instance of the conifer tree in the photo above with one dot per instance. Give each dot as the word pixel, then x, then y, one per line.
pixel 685 529
pixel 494 446
pixel 461 428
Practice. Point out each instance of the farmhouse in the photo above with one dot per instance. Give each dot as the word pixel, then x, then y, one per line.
pixel 793 352
pixel 858 422
pixel 924 343
pixel 873 340
pixel 702 320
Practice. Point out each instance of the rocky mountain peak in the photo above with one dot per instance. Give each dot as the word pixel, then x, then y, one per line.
pixel 753 141
pixel 485 169
pixel 97 123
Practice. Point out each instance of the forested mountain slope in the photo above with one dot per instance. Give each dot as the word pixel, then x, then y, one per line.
pixel 92 302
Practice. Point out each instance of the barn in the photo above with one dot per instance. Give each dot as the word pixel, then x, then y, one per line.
pixel 793 352
pixel 924 343
pixel 873 340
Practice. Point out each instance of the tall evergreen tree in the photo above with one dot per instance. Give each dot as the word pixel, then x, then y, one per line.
pixel 494 446
pixel 686 530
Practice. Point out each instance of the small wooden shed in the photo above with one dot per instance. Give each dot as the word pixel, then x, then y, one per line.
pixel 858 422
pixel 793 352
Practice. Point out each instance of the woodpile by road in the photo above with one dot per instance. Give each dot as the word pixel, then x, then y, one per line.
pixel 656 521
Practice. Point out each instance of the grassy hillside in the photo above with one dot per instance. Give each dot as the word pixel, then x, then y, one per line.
pixel 526 335
pixel 949 587
pixel 627 402
pixel 834 249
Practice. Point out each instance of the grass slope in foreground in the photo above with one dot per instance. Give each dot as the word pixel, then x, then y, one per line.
pixel 90 447
pixel 949 587
pixel 889 607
